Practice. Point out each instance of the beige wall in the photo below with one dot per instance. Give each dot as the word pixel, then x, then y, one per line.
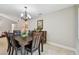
pixel 60 27
pixel 77 42
pixel 5 24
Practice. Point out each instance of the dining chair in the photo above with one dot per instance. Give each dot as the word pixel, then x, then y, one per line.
pixel 15 45
pixel 35 43
pixel 9 43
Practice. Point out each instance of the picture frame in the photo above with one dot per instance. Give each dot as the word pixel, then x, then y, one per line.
pixel 40 24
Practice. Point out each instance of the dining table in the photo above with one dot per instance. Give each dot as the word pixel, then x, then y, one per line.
pixel 23 41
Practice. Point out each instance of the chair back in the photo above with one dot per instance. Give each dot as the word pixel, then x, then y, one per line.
pixel 8 38
pixel 36 39
pixel 11 39
pixel 17 33
pixel 13 42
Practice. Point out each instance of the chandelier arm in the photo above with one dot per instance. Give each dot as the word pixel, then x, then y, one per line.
pixel 25 15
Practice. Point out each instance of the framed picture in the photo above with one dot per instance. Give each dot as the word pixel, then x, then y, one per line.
pixel 40 24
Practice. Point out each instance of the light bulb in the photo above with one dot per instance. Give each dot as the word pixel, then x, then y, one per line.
pixel 28 16
pixel 22 14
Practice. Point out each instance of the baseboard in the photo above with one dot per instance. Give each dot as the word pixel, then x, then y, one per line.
pixel 61 46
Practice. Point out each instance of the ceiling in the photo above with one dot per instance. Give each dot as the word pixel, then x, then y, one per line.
pixel 33 9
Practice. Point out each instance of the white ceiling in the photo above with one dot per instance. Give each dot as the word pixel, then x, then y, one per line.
pixel 33 9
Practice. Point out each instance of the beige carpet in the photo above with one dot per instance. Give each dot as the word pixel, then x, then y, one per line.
pixel 3 45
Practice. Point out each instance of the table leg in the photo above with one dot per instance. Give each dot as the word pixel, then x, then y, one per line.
pixel 23 50
pixel 41 45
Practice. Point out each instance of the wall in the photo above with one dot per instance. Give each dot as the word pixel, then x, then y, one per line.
pixel 60 26
pixel 77 41
pixel 5 24
pixel 78 23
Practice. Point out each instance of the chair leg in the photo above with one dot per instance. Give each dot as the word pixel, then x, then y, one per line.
pixel 41 45
pixel 12 51
pixel 15 51
pixel 27 52
pixel 39 50
pixel 9 50
pixel 21 51
pixel 31 52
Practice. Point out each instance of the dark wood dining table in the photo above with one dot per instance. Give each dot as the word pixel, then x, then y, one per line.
pixel 23 42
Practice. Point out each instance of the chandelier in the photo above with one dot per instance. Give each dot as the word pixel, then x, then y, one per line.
pixel 25 16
